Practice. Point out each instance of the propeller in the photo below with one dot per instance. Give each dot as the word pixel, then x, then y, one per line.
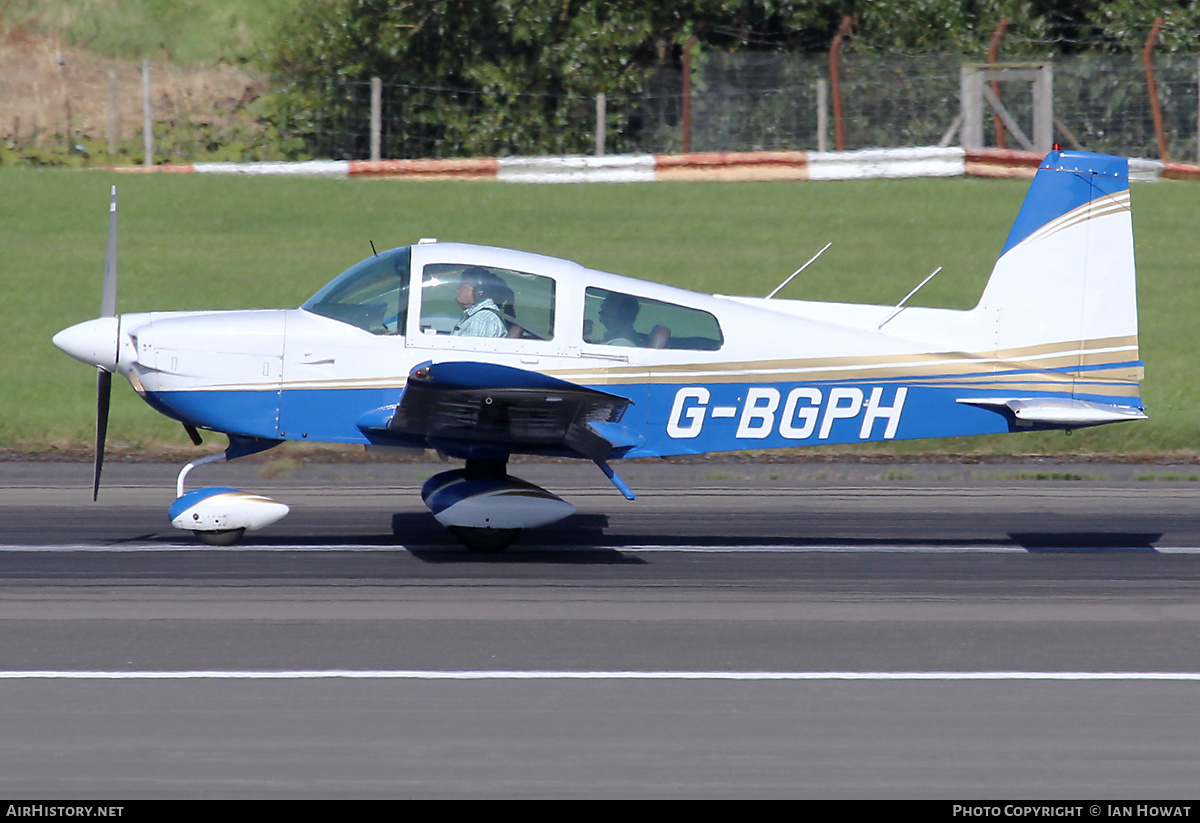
pixel 108 308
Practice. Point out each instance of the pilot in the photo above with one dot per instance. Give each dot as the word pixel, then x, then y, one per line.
pixel 477 293
pixel 617 313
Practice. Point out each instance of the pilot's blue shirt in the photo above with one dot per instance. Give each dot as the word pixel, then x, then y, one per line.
pixel 481 320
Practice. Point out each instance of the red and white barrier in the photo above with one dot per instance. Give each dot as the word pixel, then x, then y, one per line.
pixel 1001 163
pixel 625 168
pixel 467 168
pixel 872 164
pixel 732 165
pixel 864 164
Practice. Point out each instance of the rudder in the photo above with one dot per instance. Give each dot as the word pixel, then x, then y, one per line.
pixel 1062 296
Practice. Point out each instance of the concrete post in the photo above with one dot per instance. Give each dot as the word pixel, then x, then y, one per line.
pixel 971 132
pixel 822 115
pixel 376 117
pixel 114 123
pixel 147 116
pixel 601 122
pixel 1043 108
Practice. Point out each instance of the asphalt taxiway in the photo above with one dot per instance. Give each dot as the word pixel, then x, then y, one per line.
pixel 834 630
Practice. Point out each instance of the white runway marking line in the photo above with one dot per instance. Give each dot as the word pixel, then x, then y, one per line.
pixel 351 674
pixel 830 548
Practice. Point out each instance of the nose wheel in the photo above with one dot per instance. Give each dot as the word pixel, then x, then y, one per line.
pixel 222 538
pixel 219 515
pixel 484 541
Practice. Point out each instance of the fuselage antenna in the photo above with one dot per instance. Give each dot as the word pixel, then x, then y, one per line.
pixel 372 242
pixel 900 305
pixel 811 260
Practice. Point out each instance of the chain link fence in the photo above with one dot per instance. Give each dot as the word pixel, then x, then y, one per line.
pixel 1101 102
pixel 739 102
pixel 57 105
pixel 334 120
pixel 763 101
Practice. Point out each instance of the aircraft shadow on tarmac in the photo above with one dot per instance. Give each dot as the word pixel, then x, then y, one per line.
pixel 588 538
pixel 1085 542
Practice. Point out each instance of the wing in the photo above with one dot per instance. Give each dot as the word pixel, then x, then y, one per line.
pixel 459 407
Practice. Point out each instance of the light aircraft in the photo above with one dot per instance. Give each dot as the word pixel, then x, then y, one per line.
pixel 481 353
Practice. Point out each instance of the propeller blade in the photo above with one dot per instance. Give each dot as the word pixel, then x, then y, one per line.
pixel 108 308
pixel 103 394
pixel 108 296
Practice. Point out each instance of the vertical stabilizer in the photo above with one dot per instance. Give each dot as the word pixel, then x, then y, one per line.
pixel 1062 296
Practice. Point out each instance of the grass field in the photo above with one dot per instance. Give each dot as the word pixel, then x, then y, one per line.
pixel 196 242
pixel 183 31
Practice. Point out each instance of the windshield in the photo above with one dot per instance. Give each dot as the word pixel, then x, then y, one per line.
pixel 372 295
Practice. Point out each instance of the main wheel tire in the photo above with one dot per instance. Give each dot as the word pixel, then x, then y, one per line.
pixel 484 541
pixel 221 538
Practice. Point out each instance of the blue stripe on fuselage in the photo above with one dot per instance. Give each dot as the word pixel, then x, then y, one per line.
pixel 672 418
pixel 318 415
pixel 249 413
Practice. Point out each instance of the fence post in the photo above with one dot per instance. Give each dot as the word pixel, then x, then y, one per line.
pixel 993 53
pixel 1043 108
pixel 971 130
pixel 376 116
pixel 114 130
pixel 686 119
pixel 822 115
pixel 1155 111
pixel 147 119
pixel 66 89
pixel 839 131
pixel 601 122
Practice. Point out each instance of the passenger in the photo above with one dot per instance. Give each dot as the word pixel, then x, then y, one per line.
pixel 477 293
pixel 617 314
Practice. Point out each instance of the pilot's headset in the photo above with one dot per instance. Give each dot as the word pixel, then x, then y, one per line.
pixel 487 285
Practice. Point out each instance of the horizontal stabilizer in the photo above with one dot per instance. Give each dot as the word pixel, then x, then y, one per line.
pixel 1055 412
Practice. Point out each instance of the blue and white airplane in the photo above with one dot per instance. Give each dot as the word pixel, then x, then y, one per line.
pixel 481 353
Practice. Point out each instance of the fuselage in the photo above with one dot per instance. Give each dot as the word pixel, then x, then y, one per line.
pixel 704 373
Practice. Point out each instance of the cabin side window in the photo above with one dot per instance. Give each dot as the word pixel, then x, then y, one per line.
pixel 614 318
pixel 485 301
pixel 372 295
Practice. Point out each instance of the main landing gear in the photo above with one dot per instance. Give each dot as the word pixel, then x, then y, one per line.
pixel 485 507
pixel 482 505
pixel 483 540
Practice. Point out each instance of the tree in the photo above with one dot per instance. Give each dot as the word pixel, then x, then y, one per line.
pixel 519 76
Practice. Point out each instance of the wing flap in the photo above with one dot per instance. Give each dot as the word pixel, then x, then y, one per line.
pixel 482 403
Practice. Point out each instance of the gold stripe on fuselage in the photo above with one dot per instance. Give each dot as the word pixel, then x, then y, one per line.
pixel 1105 359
